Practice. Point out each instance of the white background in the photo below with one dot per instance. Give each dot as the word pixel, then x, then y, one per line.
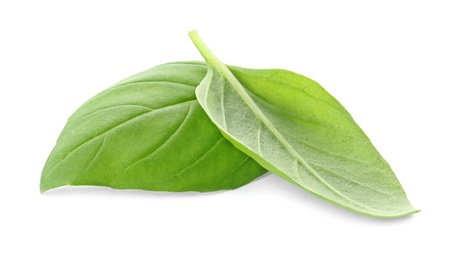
pixel 396 66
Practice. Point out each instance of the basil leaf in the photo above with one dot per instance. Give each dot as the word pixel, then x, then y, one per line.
pixel 148 132
pixel 294 128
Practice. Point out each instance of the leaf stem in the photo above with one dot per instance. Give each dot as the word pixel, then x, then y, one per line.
pixel 204 50
pixel 213 61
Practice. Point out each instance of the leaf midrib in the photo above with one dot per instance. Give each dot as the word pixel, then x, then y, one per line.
pixel 216 64
pixel 264 120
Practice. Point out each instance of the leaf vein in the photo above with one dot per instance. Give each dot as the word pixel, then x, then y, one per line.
pixel 151 81
pixel 259 133
pixel 232 170
pixel 120 125
pixel 179 128
pixel 97 153
pixel 350 180
pixel 335 154
pixel 223 108
pixel 194 163
pixel 106 108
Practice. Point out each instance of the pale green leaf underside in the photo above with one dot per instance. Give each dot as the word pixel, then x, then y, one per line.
pixel 148 132
pixel 294 128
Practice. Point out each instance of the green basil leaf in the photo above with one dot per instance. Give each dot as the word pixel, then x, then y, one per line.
pixel 148 132
pixel 294 128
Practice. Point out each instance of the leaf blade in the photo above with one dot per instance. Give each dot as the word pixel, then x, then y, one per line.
pixel 294 128
pixel 142 133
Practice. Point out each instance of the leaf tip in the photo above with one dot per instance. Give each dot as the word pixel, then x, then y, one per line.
pixel 47 183
pixel 43 187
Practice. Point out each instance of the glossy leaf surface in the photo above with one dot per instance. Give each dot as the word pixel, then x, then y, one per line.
pixel 148 132
pixel 294 128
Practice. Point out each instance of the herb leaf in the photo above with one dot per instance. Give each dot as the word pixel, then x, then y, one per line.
pixel 294 128
pixel 148 132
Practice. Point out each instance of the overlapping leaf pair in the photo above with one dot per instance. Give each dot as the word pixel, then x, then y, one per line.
pixel 193 126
